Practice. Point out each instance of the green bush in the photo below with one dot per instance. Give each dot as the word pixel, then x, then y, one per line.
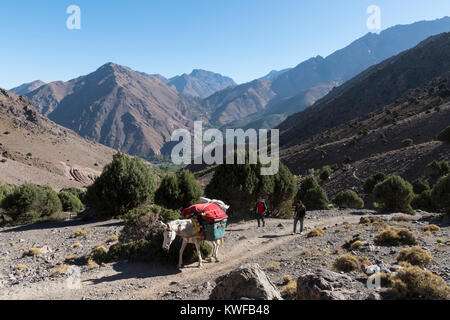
pixel 29 203
pixel 394 194
pixel 435 169
pixel 419 186
pixel 441 194
pixel 5 190
pixel 348 199
pixel 70 202
pixel 325 173
pixel 444 135
pixel 125 183
pixel 239 186
pixel 372 181
pixel 316 199
pixel 80 194
pixel 308 183
pixel 178 191
pixel 423 201
pixel 407 142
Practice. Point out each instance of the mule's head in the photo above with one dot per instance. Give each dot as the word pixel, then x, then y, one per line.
pixel 169 235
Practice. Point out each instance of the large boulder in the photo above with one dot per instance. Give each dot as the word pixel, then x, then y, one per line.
pixel 324 285
pixel 247 282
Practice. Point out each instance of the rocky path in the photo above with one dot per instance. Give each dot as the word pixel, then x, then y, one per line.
pixel 244 243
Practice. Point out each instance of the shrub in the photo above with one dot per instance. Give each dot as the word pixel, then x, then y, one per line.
pixel 80 194
pixel 273 266
pixel 431 228
pixel 317 232
pixel 423 201
pixel 394 194
pixel 289 291
pixel 444 135
pixel 346 263
pixel 70 202
pixel 178 191
pixel 348 199
pixel 394 237
pixel 440 195
pixel 190 190
pixel 5 190
pixel 325 173
pixel 415 256
pixel 316 199
pixel 420 186
pixel 415 283
pixel 435 169
pixel 308 183
pixel 349 243
pixel 402 217
pixel 125 184
pixel 287 278
pixel 29 203
pixel 372 181
pixel 407 143
pixel 240 185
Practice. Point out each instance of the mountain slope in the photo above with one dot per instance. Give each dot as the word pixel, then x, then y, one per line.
pixel 336 68
pixel 37 150
pixel 118 107
pixel 200 83
pixel 27 87
pixel 370 90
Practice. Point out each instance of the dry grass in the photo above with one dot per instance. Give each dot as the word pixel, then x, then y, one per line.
pixel 21 267
pixel 415 283
pixel 76 245
pixel 91 264
pixel 402 218
pixel 289 291
pixel 317 232
pixel 349 262
pixel 392 236
pixel 287 278
pixel 356 245
pixel 431 228
pixel 273 266
pixel 80 233
pixel 32 252
pixel 62 269
pixel 416 256
pixel 112 239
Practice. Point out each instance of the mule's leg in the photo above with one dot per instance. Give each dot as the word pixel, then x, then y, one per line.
pixel 197 246
pixel 216 249
pixel 180 261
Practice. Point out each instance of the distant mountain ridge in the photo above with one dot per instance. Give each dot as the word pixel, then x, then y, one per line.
pixel 118 107
pixel 200 83
pixel 377 86
pixel 286 89
pixel 27 87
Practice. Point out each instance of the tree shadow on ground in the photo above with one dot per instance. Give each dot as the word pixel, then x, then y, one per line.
pixel 59 224
pixel 136 270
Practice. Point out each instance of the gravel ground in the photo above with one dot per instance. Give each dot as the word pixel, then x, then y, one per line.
pixel 296 255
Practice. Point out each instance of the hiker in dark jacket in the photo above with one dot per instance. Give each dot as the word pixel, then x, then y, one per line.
pixel 300 212
pixel 261 209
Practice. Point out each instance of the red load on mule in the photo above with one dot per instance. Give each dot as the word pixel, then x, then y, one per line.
pixel 209 212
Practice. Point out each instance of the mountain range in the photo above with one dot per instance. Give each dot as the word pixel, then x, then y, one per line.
pixel 137 112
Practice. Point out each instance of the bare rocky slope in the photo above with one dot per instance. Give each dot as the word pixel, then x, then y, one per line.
pixel 35 149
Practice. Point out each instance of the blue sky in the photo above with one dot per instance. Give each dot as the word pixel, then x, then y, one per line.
pixel 243 39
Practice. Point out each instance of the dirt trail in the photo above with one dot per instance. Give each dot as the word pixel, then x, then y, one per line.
pixel 124 280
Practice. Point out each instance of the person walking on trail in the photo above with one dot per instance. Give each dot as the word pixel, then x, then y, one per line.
pixel 299 216
pixel 261 209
